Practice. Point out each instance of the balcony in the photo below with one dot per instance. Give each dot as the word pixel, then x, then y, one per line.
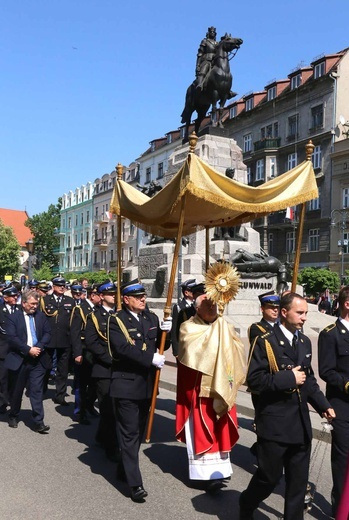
pixel 101 242
pixel 267 144
pixel 68 249
pixel 59 231
pixel 100 218
pixel 112 263
pixel 77 247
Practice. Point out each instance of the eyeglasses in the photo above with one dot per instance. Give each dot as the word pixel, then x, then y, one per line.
pixel 139 296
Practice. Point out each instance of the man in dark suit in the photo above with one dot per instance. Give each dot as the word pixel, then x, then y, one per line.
pixel 185 303
pixel 280 371
pixel 58 309
pixel 85 396
pixel 7 307
pixel 97 345
pixel 270 306
pixel 134 337
pixel 28 334
pixel 333 357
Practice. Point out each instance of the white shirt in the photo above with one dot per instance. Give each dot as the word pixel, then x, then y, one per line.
pixel 289 335
pixel 29 334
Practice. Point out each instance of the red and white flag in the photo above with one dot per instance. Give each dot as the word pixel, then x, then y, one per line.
pixel 289 213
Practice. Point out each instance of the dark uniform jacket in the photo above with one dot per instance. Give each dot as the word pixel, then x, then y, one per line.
pixel 258 329
pixel 132 371
pixel 282 413
pixel 180 313
pixel 17 337
pixel 96 342
pixel 77 326
pixel 59 319
pixel 4 314
pixel 334 366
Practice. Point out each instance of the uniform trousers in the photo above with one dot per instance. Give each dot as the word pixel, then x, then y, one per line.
pixel 339 457
pixel 106 432
pixel 273 458
pixel 31 373
pixel 63 359
pixel 4 397
pixel 131 417
pixel 85 392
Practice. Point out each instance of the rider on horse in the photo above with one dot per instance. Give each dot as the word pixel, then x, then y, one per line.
pixel 205 56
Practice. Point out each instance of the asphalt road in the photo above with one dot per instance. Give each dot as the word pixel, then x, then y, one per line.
pixel 65 475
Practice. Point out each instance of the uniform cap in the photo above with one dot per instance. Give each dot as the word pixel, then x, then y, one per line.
pixel 107 287
pixel 132 288
pixel 198 289
pixel 269 298
pixel 10 291
pixel 58 280
pixel 43 286
pixel 188 284
pixel 33 283
pixel 76 288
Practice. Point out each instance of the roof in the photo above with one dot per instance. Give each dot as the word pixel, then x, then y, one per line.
pixel 15 219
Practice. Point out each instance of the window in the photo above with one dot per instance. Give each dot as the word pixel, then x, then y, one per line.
pixel 152 147
pixel 260 170
pixel 87 237
pixel 160 170
pixel 96 234
pixel 81 238
pixel 290 241
pixel 182 132
pixel 314 204
pixel 87 216
pixel 123 232
pixel 69 222
pixel 249 175
pixel 112 231
pixel 270 243
pixel 292 126
pixel 95 257
pixel 233 112
pixel 317 117
pixel 132 229
pixel 169 138
pixel 69 241
pixel 292 160
pixel 147 175
pixel 105 185
pixel 76 220
pixel 249 104
pixel 345 197
pixel 272 167
pixel 271 93
pixel 82 219
pixel 276 129
pixel 316 157
pixel 111 255
pixel 76 240
pixel 296 81
pixel 130 254
pixel 96 212
pixel 319 70
pixel 313 240
pixel 86 259
pixel 247 142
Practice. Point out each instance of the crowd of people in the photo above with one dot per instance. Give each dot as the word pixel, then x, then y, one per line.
pixel 46 329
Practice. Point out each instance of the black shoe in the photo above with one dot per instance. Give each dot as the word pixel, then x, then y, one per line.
pixel 61 402
pixel 213 486
pixel 41 428
pixel 138 494
pixel 81 419
pixel 12 422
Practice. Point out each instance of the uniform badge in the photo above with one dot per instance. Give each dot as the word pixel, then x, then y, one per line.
pixel 144 346
pixel 282 343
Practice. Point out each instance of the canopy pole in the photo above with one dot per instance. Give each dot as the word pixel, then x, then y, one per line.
pixel 309 148
pixel 207 248
pixel 119 169
pixel 167 313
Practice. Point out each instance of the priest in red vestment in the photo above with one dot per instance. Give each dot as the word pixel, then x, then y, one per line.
pixel 210 370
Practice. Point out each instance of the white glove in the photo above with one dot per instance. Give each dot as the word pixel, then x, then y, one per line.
pixel 166 325
pixel 158 360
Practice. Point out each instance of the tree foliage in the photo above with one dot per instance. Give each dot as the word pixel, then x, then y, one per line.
pixel 43 226
pixel 44 273
pixel 92 277
pixel 317 280
pixel 9 252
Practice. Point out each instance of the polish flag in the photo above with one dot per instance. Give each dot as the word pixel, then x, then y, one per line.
pixel 289 213
pixel 108 215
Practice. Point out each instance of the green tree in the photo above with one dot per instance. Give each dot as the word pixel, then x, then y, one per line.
pixel 317 280
pixel 9 252
pixel 44 273
pixel 43 226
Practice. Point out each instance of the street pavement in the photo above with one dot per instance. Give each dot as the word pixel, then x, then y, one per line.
pixel 64 475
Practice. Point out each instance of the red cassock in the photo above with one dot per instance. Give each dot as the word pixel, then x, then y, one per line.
pixel 211 435
pixel 343 508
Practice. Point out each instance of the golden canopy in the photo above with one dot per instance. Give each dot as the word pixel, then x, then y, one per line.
pixel 211 199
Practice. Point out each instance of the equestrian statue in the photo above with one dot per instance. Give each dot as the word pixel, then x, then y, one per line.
pixel 213 80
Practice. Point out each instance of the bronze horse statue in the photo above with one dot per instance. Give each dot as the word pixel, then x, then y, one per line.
pixel 217 87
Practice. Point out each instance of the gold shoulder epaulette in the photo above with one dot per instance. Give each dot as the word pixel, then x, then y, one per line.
pixel 329 327
pixel 267 334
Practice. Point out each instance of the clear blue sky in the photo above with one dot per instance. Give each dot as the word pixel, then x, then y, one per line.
pixel 86 84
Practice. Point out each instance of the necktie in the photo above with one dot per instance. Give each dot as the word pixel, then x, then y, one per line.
pixel 12 310
pixel 59 299
pixel 32 329
pixel 294 342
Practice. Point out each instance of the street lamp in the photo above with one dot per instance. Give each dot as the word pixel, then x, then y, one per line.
pixel 339 218
pixel 30 249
